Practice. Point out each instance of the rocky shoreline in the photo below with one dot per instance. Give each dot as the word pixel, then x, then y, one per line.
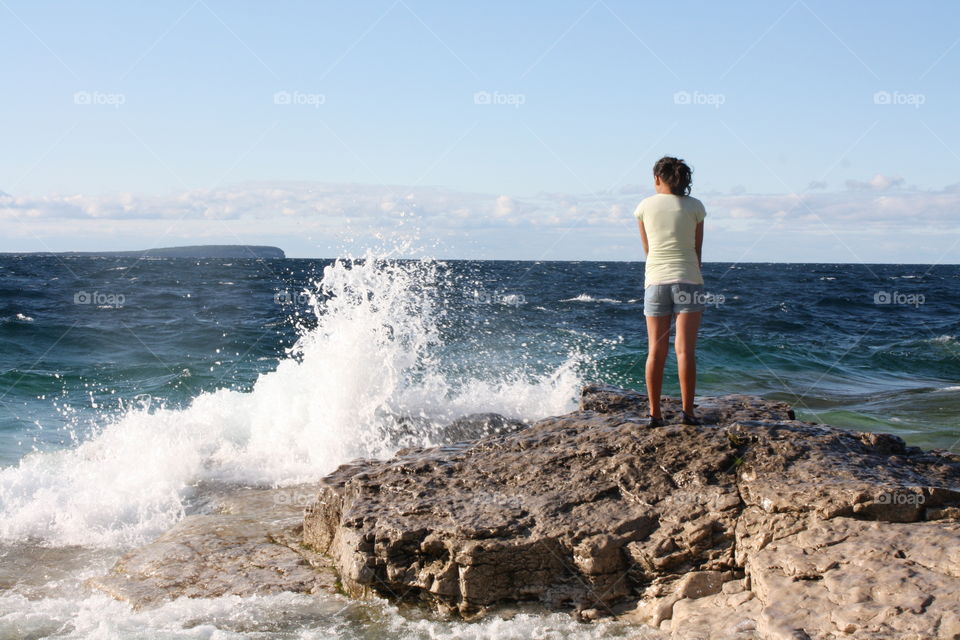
pixel 754 526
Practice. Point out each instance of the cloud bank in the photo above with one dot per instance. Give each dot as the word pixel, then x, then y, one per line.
pixel 868 221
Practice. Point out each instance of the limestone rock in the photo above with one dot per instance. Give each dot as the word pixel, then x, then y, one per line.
pixel 755 525
pixel 571 512
pixel 795 466
pixel 872 579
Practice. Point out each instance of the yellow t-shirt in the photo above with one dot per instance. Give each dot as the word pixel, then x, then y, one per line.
pixel 671 225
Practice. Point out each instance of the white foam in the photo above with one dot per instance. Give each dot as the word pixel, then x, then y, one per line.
pixel 583 297
pixel 370 356
pixel 283 615
pixel 19 317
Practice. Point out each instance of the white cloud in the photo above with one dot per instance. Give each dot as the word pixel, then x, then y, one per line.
pixel 299 210
pixel 878 182
pixel 505 206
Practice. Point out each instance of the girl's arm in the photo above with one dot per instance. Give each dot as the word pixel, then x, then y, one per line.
pixel 643 238
pixel 699 242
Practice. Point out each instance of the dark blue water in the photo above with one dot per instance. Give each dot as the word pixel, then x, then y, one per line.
pixel 131 391
pixel 863 346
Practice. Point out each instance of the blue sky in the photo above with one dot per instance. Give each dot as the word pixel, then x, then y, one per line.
pixel 818 131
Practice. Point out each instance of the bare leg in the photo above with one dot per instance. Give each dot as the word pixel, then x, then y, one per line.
pixel 685 345
pixel 658 344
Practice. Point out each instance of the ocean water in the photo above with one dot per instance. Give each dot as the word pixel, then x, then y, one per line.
pixel 126 386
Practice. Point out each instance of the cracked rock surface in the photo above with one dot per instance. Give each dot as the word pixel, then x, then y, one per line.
pixel 755 525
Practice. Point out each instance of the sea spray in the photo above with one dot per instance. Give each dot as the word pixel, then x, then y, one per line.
pixel 368 361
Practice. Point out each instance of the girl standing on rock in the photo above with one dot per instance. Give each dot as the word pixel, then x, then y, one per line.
pixel 671 228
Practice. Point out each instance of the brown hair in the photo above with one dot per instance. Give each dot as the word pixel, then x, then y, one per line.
pixel 675 173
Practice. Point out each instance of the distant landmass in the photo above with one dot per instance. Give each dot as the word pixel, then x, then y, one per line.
pixel 197 251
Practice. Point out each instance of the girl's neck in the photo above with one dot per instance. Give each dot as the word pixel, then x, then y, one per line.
pixel 661 186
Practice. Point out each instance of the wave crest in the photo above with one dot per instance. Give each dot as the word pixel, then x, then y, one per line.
pixel 371 358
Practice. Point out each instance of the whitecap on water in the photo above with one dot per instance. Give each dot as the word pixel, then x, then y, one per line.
pixel 584 297
pixel 67 515
pixel 370 358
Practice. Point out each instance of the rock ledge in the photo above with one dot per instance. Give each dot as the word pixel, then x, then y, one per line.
pixel 754 526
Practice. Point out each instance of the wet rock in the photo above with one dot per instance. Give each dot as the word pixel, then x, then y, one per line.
pixel 755 525
pixel 478 425
pixel 403 431
pixel 248 545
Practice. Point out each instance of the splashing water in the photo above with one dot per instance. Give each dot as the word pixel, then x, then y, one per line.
pixel 338 393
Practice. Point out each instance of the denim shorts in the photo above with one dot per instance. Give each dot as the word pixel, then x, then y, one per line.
pixel 669 299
